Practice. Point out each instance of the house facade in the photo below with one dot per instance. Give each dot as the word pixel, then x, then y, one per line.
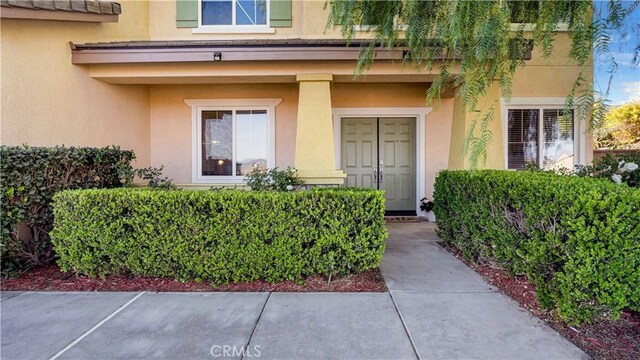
pixel 212 89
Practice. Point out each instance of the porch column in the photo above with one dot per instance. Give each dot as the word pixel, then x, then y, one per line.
pixel 315 152
pixel 462 121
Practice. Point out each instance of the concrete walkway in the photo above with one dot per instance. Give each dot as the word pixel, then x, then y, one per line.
pixel 437 308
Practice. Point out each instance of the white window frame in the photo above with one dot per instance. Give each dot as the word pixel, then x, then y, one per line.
pixel 200 105
pixel 541 104
pixel 367 28
pixel 233 28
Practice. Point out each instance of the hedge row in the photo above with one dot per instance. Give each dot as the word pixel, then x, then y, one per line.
pixel 576 239
pixel 219 236
pixel 30 177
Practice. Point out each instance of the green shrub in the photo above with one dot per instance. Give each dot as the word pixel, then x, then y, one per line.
pixel 577 239
pixel 155 180
pixel 611 166
pixel 618 168
pixel 273 179
pixel 219 236
pixel 30 177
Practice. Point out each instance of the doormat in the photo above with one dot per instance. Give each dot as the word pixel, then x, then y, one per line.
pixel 401 219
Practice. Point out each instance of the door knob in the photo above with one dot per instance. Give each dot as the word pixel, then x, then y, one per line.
pixel 375 175
pixel 381 176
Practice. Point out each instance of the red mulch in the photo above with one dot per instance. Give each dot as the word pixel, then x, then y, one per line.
pixel 50 278
pixel 619 339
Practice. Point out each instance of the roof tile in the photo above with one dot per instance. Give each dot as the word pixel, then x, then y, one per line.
pixel 82 6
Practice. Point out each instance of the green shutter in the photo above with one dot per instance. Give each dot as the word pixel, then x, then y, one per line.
pixel 280 13
pixel 187 13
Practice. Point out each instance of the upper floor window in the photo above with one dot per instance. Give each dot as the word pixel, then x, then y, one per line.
pixel 234 13
pixel 524 11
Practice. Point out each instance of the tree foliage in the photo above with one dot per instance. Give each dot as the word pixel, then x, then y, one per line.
pixel 621 128
pixel 472 44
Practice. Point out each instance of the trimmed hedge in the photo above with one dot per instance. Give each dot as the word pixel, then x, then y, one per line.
pixel 576 239
pixel 219 236
pixel 30 177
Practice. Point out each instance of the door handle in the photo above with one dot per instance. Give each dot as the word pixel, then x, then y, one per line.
pixel 380 176
pixel 375 175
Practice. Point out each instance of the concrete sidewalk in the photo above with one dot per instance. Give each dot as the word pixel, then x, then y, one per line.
pixel 437 308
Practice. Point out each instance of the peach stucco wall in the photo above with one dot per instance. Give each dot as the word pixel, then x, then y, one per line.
pixel 46 100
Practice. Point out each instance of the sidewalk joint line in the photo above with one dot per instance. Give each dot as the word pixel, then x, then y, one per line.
pixel 11 297
pixel 404 325
pixel 255 326
pixel 96 326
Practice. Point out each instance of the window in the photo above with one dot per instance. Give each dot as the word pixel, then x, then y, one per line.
pixel 231 138
pixel 234 142
pixel 524 11
pixel 240 13
pixel 540 136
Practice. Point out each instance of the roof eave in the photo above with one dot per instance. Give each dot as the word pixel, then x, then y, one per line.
pixel 226 54
pixel 40 14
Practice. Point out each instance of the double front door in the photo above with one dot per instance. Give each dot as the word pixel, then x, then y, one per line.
pixel 380 153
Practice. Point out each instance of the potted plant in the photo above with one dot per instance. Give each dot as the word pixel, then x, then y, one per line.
pixel 427 205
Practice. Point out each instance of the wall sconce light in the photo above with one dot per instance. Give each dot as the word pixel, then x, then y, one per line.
pixel 217 56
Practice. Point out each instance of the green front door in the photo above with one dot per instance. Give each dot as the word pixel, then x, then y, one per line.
pixel 379 153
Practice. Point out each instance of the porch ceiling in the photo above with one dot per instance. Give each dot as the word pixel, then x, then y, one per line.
pixel 249 72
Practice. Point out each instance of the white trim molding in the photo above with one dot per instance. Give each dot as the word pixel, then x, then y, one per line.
pixel 579 130
pixel 199 105
pixel 419 113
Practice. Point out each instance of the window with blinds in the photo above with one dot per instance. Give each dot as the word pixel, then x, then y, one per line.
pixel 558 139
pixel 523 138
pixel 541 137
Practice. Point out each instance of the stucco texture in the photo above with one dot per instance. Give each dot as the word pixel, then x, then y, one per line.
pixel 48 101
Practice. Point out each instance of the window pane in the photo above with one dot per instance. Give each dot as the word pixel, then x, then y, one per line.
pixel 251 12
pixel 251 136
pixel 217 12
pixel 522 138
pixel 524 11
pixel 558 149
pixel 217 143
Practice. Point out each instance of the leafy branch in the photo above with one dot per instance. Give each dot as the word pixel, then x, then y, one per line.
pixel 470 45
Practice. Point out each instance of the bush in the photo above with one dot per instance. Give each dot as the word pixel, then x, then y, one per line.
pixel 220 236
pixel 577 239
pixel 621 168
pixel 273 179
pixel 155 180
pixel 30 177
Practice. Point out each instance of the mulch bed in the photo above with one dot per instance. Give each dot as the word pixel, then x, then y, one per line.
pixel 50 278
pixel 619 340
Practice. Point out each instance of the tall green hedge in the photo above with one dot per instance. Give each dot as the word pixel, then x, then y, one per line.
pixel 29 178
pixel 576 239
pixel 219 236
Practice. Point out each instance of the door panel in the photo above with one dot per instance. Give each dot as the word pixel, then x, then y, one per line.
pixel 359 151
pixel 398 165
pixel 386 145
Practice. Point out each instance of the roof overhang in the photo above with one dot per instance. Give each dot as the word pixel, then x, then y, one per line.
pixel 223 51
pixel 61 10
pixel 241 61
